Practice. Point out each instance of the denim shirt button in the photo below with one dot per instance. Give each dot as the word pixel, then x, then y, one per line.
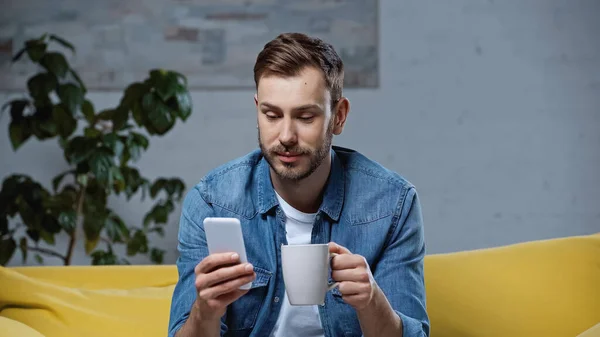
pixel 276 299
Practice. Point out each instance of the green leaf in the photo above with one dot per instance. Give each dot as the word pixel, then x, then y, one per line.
pixel 68 220
pixel 106 115
pixel 3 222
pixel 19 133
pixel 181 79
pixel 7 249
pixel 18 55
pixel 133 180
pixel 159 230
pixel 174 187
pixel 33 235
pixel 63 143
pixel 101 163
pixel 82 179
pixel 132 99
pixel 41 85
pixel 55 63
pixel 112 141
pixel 165 83
pixel 50 224
pixel 23 247
pixel 136 142
pixel 36 49
pixel 159 213
pixel 71 96
pixel 116 229
pixel 157 255
pixel 91 132
pixel 104 258
pixel 39 259
pixel 91 244
pixel 64 121
pixel 44 127
pixel 92 226
pixel 137 244
pixel 79 149
pixel 57 180
pixel 10 186
pixel 184 105
pixel 65 200
pixel 159 116
pixel 158 185
pixel 78 80
pixel 87 108
pixel 17 107
pixel 96 195
pixel 62 42
pixel 120 118
pixel 47 237
pixel 118 181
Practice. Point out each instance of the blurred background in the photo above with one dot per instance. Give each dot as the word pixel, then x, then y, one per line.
pixel 491 108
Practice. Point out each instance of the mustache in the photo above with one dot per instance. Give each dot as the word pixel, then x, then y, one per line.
pixel 292 149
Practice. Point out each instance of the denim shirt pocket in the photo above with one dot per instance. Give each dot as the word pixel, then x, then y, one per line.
pixel 242 314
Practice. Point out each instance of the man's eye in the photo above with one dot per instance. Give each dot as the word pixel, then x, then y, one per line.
pixel 306 118
pixel 271 115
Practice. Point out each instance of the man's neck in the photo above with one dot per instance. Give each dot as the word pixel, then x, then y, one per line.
pixel 304 195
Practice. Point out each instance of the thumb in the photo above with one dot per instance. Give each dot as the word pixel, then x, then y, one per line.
pixel 338 249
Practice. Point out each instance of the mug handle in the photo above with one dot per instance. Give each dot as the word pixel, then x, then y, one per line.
pixel 331 286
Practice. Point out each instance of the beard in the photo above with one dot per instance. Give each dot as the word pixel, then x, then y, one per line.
pixel 297 171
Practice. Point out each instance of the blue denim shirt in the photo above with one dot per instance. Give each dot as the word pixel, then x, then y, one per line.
pixel 366 208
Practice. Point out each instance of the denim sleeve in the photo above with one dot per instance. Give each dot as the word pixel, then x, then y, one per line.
pixel 192 249
pixel 399 273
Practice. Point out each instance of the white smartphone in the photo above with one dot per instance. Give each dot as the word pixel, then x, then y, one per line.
pixel 225 235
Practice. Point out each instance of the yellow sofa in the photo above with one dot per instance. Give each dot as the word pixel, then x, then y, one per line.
pixel 546 288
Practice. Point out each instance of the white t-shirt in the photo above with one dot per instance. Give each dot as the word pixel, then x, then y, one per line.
pixel 297 321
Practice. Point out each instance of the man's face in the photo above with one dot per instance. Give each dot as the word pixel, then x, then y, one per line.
pixel 295 124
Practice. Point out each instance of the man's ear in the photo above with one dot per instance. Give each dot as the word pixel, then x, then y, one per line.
pixel 256 100
pixel 342 108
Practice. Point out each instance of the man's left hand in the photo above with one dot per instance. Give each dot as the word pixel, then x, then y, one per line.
pixel 352 271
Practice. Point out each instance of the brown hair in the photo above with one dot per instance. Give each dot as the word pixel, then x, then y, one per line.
pixel 289 53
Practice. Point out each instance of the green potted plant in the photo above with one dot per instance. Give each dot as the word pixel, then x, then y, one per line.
pixel 100 148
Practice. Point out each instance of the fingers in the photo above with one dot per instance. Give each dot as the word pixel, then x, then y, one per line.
pixel 228 298
pixel 347 261
pixel 352 275
pixel 223 274
pixel 335 248
pixel 214 261
pixel 228 273
pixel 347 288
pixel 215 307
pixel 229 288
pixel 358 301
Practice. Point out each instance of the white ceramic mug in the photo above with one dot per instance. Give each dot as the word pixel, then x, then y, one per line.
pixel 305 273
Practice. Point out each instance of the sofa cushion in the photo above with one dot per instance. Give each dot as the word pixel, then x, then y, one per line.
pixel 12 328
pixel 541 288
pixel 62 310
pixel 547 288
pixel 591 332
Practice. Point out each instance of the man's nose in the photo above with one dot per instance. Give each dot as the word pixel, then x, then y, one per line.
pixel 287 134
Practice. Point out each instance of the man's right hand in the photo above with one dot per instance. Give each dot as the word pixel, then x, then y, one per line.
pixel 218 278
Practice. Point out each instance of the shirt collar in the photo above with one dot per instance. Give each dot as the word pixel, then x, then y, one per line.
pixel 333 198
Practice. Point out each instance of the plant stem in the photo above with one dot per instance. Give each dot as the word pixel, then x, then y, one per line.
pixel 73 235
pixel 46 251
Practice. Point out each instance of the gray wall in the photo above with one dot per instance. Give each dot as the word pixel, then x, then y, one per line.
pixel 491 108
